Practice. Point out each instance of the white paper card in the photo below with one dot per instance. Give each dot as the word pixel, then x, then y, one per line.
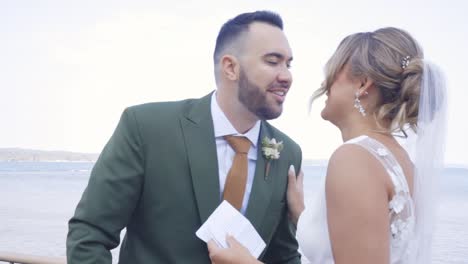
pixel 227 220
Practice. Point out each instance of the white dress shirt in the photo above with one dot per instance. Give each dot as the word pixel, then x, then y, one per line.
pixel 222 127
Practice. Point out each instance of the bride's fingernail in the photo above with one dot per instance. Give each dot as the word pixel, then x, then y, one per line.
pixel 291 169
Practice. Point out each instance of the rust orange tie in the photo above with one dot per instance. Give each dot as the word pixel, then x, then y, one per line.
pixel 236 179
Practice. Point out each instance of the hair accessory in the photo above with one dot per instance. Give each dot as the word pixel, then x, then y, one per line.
pixel 405 62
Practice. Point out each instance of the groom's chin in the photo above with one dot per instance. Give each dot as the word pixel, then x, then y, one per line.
pixel 269 114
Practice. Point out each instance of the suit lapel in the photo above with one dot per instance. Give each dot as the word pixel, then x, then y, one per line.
pixel 197 127
pixel 262 187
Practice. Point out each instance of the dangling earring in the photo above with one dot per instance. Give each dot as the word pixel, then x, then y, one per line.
pixel 358 105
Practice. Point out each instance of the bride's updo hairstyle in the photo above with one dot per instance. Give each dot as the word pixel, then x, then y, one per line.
pixel 393 60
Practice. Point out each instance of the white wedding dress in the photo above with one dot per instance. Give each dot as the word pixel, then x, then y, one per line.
pixel 312 230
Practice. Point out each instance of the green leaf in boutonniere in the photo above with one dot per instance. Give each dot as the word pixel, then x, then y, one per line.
pixel 271 151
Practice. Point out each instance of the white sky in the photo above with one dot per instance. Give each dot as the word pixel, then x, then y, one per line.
pixel 69 68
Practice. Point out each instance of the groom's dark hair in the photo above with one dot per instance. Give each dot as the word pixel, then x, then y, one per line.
pixel 234 27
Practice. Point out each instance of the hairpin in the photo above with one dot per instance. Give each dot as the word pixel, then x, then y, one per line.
pixel 405 62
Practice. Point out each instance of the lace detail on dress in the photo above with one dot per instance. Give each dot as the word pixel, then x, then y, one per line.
pixel 312 229
pixel 401 207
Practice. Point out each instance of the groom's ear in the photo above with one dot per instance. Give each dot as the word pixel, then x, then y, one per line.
pixel 230 67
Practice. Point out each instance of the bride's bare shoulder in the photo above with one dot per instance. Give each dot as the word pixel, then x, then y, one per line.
pixel 352 165
pixel 351 155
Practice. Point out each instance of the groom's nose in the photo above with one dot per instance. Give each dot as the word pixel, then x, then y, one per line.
pixel 285 76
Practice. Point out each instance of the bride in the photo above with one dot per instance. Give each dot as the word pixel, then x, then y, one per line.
pixel 375 203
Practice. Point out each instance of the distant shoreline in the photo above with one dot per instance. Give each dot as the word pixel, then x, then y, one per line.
pixel 32 155
pixel 19 154
pixel 48 161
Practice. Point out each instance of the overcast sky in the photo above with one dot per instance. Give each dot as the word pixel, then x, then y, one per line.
pixel 69 68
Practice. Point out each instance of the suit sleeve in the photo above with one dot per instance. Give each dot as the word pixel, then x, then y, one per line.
pixel 283 247
pixel 110 198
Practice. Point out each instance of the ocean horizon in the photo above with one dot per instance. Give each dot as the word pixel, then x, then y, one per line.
pixel 38 198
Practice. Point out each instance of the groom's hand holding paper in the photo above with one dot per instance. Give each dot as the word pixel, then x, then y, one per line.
pixel 226 220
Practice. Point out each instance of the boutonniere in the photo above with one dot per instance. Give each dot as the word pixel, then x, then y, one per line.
pixel 271 151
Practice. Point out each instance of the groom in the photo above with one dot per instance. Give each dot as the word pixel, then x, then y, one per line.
pixel 167 166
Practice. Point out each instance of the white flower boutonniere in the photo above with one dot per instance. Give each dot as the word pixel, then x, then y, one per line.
pixel 271 150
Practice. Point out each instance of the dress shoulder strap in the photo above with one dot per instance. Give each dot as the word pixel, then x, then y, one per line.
pixel 386 158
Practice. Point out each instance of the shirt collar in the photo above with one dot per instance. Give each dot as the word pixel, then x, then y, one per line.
pixel 222 126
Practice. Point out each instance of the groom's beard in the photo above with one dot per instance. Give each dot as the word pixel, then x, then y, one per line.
pixel 254 98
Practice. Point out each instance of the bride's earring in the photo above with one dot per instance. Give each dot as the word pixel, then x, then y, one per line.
pixel 358 105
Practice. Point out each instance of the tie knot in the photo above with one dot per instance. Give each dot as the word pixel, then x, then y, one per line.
pixel 240 145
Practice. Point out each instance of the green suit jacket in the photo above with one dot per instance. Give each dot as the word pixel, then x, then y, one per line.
pixel 158 178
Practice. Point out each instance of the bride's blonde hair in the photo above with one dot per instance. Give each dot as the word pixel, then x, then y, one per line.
pixel 379 56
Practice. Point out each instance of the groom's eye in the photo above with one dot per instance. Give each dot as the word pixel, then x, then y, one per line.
pixel 272 62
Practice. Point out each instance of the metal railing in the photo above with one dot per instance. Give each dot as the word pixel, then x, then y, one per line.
pixel 15 258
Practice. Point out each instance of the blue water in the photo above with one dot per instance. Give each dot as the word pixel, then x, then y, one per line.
pixel 38 198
